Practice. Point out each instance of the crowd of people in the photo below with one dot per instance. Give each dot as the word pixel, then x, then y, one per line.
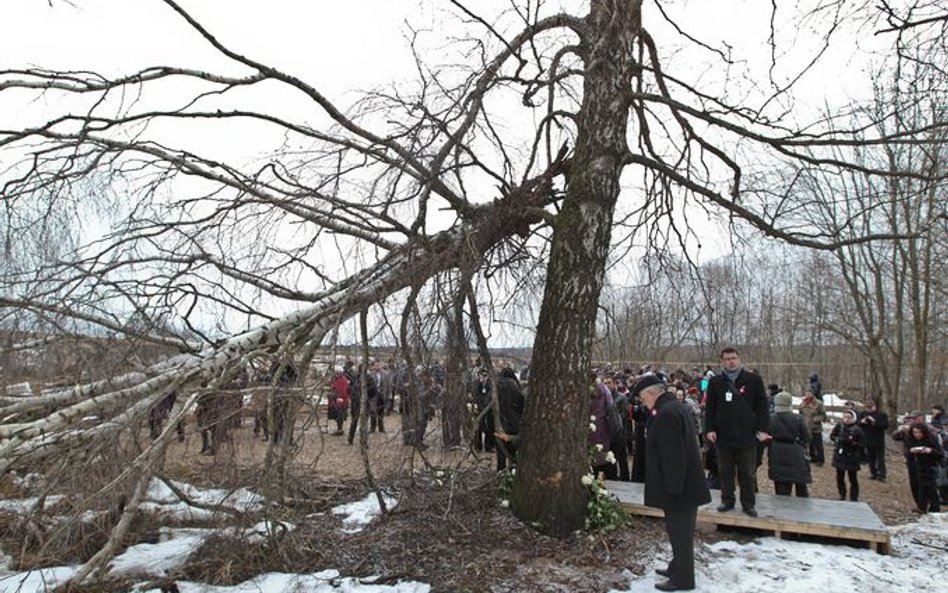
pixel 738 422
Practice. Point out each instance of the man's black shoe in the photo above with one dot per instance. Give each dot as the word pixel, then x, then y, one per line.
pixel 750 512
pixel 725 508
pixel 669 586
pixel 663 572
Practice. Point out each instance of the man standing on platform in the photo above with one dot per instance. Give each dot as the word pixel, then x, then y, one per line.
pixel 674 479
pixel 736 419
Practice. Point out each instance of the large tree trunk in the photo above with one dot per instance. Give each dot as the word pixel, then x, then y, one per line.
pixel 548 492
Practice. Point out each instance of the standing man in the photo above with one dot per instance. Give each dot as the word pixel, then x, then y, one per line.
pixel 736 419
pixel 674 480
pixel 874 423
pixel 814 415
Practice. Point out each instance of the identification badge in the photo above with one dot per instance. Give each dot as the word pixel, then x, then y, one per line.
pixel 728 396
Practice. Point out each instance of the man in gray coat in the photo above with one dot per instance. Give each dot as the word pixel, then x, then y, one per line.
pixel 674 479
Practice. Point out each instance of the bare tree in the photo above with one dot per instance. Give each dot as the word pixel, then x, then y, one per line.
pixel 190 236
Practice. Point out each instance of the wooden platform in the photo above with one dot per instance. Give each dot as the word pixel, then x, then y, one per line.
pixel 851 521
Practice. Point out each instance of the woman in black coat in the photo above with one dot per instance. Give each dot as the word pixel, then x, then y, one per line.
pixel 923 446
pixel 788 465
pixel 847 454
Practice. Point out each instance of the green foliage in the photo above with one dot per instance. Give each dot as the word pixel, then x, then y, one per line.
pixel 505 481
pixel 603 511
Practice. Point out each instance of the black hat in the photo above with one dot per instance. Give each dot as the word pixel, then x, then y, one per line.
pixel 647 381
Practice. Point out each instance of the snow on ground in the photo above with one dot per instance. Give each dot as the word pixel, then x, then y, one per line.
pixel 163 501
pixel 162 558
pixel 22 506
pixel 758 565
pixel 327 581
pixel 361 512
pixel 771 564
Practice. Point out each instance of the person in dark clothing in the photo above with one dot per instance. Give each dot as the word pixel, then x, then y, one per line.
pixel 849 443
pixel 772 390
pixel 924 446
pixel 788 466
pixel 371 393
pixel 484 433
pixel 620 438
pixel 511 404
pixel 640 415
pixel 874 424
pixel 674 480
pixel 901 434
pixel 816 386
pixel 736 419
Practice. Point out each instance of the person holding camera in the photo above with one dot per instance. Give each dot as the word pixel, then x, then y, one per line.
pixel 916 437
pixel 848 454
pixel 874 423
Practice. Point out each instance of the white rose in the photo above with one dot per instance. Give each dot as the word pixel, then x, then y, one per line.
pixel 587 480
pixel 592 427
pixel 610 457
pixel 599 447
pixel 505 503
pixel 592 418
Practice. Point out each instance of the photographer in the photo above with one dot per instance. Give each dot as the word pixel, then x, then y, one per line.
pixel 847 454
pixel 874 423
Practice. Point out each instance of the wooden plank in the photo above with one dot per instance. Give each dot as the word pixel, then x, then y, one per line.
pixel 779 514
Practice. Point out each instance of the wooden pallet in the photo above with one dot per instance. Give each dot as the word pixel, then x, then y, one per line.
pixel 780 515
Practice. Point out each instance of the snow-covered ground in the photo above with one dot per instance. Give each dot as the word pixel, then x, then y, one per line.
pixel 919 557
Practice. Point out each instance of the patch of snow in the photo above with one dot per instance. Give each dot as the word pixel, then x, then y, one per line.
pixel 771 564
pixel 36 581
pixel 26 505
pixel 326 581
pixel 160 559
pixel 362 512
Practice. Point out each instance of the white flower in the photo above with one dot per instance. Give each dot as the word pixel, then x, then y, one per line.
pixel 592 418
pixel 599 447
pixel 610 456
pixel 587 480
pixel 592 427
pixel 513 471
pixel 505 503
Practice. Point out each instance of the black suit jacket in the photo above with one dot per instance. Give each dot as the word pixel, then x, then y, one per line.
pixel 737 421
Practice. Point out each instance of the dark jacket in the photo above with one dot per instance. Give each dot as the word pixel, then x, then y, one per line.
pixel 787 455
pixel 674 479
pixel 874 425
pixel 511 401
pixel 737 421
pixel 849 442
pixel 925 461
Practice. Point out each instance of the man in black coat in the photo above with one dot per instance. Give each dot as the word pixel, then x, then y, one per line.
pixel 736 418
pixel 511 405
pixel 874 423
pixel 674 480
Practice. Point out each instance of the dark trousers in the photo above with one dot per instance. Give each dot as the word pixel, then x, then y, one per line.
pixel 786 489
pixel 816 448
pixel 853 483
pixel 376 416
pixel 912 469
pixel 621 452
pixel 680 527
pixel 742 462
pixel 484 439
pixel 354 410
pixel 876 458
pixel 506 454
pixel 608 470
